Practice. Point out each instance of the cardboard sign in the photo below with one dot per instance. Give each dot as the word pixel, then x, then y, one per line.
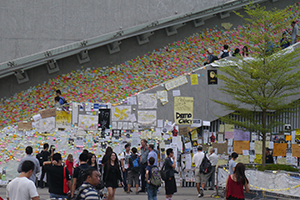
pixel 221 148
pixel 45 113
pixel 279 149
pixel 24 125
pixel 296 150
pixel 239 146
pixel 184 130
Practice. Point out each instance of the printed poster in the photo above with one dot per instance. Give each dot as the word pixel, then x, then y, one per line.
pixel 121 113
pixel 147 117
pixel 63 119
pixel 147 101
pixel 194 79
pixel 88 122
pixel 176 82
pixel 183 110
pixel 104 119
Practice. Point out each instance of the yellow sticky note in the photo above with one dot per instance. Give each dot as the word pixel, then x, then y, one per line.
pixel 194 79
pixel 288 137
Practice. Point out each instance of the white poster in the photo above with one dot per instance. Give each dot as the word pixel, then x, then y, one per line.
pixel 162 95
pixel 147 101
pixel 147 117
pixel 121 113
pixel 88 122
pixel 46 125
pixel 176 82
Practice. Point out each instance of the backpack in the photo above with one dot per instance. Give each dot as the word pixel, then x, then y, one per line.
pixel 205 166
pixel 135 164
pixel 155 178
pixel 40 158
pixel 64 101
pixel 80 178
pixel 225 54
pixel 164 173
pixel 77 193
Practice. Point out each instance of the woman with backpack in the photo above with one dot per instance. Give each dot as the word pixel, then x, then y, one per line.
pixel 153 179
pixel 236 182
pixel 170 184
pixel 112 175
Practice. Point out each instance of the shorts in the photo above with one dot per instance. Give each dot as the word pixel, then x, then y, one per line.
pixel 133 177
pixel 199 177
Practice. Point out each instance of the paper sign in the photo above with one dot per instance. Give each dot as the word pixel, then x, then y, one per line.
pixel 206 123
pixel 162 95
pixel 63 119
pixel 176 93
pixel 176 82
pixel 147 101
pixel 229 135
pixel 147 117
pixel 279 149
pixel 241 135
pixel 258 159
pixel 24 125
pixel 87 122
pixel 243 159
pixel 222 128
pixel 121 113
pixel 183 110
pixel 194 79
pixel 221 148
pixel 288 137
pixel 239 146
pixel 229 127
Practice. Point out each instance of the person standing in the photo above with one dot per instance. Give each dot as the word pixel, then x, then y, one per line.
pixel 112 175
pixel 62 100
pixel 83 157
pixel 231 163
pixel 28 156
pixel 200 178
pixel 133 172
pixel 236 182
pixel 269 157
pixel 21 187
pixel 56 175
pixel 152 154
pixel 92 161
pixel 151 189
pixel 88 188
pixel 125 163
pixel 213 158
pixel 143 161
pixel 294 32
pixel 70 163
pixel 43 156
pixel 170 165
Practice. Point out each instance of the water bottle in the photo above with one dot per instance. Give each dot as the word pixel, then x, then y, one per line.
pixel 3 177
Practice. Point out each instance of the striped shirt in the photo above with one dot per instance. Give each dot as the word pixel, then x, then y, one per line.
pixel 89 193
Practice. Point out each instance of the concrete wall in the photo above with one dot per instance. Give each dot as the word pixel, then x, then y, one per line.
pixel 29 27
pixel 100 56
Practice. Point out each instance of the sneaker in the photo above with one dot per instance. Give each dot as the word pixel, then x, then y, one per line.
pixel 127 192
pixel 136 192
pixel 211 188
pixel 199 195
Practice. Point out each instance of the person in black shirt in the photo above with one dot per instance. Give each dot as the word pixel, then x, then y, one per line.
pixel 269 157
pixel 83 158
pixel 92 161
pixel 112 174
pixel 46 155
pixel 170 184
pixel 56 174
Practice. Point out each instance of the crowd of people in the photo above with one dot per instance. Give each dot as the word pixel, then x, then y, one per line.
pixel 90 179
pixel 289 37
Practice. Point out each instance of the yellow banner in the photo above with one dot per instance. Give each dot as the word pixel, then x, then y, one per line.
pixel 183 110
pixel 63 119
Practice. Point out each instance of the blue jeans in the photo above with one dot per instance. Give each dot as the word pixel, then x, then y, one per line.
pixel 125 174
pixel 152 192
pixel 52 195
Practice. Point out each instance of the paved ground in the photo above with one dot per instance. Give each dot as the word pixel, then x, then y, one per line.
pixel 182 194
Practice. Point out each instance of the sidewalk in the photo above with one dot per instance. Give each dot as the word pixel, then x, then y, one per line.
pixel 184 193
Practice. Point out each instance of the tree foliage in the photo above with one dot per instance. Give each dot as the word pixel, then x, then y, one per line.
pixel 266 85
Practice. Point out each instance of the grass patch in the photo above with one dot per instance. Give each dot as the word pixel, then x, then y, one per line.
pixel 273 167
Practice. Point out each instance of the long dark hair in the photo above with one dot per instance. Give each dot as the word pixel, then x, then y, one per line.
pixel 239 172
pixel 116 161
pixel 108 151
pixel 90 159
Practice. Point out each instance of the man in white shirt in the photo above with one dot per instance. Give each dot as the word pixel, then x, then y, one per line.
pixel 200 178
pixel 21 187
pixel 294 32
pixel 124 157
pixel 213 158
